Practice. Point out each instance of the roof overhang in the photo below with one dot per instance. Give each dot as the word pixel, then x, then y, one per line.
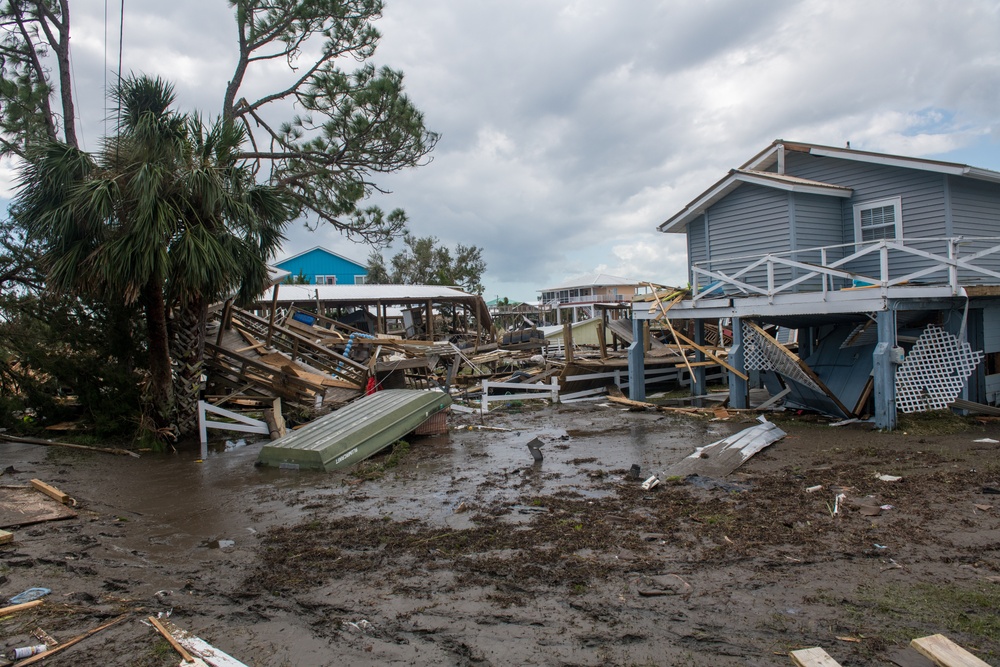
pixel 768 157
pixel 738 177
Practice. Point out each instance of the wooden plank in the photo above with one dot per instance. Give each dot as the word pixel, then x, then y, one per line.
pixel 6 536
pixel 813 657
pixel 708 353
pixel 945 652
pixel 170 639
pixel 51 491
pixel 14 608
pixel 663 317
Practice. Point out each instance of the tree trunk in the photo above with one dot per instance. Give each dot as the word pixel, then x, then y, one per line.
pixel 188 351
pixel 160 377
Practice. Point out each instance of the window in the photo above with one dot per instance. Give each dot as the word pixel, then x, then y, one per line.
pixel 875 220
pixel 360 280
pixel 326 280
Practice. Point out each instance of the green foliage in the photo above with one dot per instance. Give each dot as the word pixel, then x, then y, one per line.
pixel 355 124
pixel 424 262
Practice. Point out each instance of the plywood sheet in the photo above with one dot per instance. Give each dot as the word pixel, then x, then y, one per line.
pixel 22 506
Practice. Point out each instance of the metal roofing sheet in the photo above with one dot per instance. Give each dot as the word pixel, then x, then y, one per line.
pixel 353 433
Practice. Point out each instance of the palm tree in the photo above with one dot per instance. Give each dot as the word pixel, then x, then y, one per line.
pixel 162 215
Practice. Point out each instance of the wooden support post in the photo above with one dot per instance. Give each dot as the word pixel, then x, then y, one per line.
pixel 568 341
pixel 602 340
pixel 270 320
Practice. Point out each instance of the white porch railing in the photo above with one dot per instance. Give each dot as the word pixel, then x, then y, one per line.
pixel 899 262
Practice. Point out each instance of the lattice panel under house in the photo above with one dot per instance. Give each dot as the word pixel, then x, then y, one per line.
pixel 763 353
pixel 935 371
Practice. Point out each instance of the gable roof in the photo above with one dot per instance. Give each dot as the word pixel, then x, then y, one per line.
pixel 322 249
pixel 755 171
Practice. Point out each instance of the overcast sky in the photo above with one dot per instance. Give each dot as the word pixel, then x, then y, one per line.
pixel 571 129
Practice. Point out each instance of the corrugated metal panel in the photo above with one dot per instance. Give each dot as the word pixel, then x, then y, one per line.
pixel 352 434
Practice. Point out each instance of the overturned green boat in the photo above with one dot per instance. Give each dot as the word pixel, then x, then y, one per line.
pixel 353 433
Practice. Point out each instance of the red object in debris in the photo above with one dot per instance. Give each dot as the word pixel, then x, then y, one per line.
pixel 371 388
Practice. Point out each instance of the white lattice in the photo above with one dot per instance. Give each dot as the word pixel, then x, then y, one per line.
pixel 763 353
pixel 934 372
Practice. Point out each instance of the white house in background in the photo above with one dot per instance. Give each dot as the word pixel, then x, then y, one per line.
pixel 582 295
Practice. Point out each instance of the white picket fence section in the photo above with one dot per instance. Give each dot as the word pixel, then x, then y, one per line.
pixel 241 423
pixel 523 392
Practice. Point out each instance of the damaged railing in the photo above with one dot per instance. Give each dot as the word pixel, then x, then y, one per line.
pixel 875 264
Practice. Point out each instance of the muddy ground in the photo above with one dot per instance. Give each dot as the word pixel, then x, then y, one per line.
pixel 462 551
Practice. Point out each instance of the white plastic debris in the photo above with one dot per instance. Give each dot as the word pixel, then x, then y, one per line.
pixel 887 478
pixel 650 483
pixel 839 498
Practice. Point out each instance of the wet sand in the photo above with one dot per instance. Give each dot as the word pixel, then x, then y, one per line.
pixel 470 553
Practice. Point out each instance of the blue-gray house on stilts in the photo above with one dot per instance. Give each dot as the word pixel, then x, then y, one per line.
pixel 886 267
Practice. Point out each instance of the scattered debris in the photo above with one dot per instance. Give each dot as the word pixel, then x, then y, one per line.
pixel 26 651
pixel 814 489
pixel 185 656
pixel 76 640
pixel 724 456
pixel 53 492
pixel 352 434
pixel 535 448
pixel 887 478
pixel 29 595
pixel 4 611
pixel 52 443
pixel 987 440
pixel 633 472
pixel 664 584
pixel 650 483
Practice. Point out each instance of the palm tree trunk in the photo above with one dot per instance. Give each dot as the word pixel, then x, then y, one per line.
pixel 188 348
pixel 161 393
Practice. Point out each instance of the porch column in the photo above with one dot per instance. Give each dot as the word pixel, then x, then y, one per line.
pixel 699 371
pixel 637 362
pixel 884 372
pixel 738 389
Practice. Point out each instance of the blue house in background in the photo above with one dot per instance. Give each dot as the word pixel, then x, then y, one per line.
pixel 324 267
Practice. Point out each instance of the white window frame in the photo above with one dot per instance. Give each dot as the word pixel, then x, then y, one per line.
pixel 361 280
pixel 322 280
pixel 897 205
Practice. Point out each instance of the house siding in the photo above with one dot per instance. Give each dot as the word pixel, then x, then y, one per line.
pixel 319 262
pixel 752 220
pixel 696 244
pixel 922 196
pixel 816 224
pixel 976 213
